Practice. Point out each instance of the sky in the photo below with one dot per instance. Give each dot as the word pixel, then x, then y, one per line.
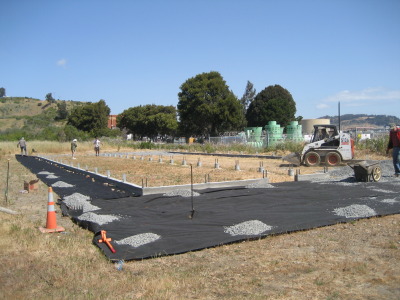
pixel 138 52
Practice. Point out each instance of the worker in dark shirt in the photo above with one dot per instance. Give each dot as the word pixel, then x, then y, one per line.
pixel 394 143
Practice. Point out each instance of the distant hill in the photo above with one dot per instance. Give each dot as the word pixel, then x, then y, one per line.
pixel 362 120
pixel 15 110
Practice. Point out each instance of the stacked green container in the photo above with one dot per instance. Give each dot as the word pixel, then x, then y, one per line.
pixel 253 135
pixel 274 133
pixel 294 132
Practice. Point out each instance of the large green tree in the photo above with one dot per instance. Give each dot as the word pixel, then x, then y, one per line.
pixel 207 107
pixel 91 118
pixel 274 103
pixel 149 120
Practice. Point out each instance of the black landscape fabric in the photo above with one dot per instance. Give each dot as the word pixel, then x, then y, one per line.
pixel 156 225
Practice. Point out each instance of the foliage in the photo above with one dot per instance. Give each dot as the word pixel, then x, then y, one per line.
pixel 91 118
pixel 49 98
pixel 274 103
pixel 2 92
pixel 70 132
pixel 248 96
pixel 207 107
pixel 149 120
pixel 62 112
pixel 376 145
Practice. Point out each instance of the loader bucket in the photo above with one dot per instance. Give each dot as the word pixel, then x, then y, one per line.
pixel 293 158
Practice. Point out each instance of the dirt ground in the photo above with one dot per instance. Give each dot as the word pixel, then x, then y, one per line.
pixel 356 260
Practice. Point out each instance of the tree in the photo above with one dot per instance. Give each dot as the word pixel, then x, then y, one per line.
pixel 62 112
pixel 2 92
pixel 91 118
pixel 248 96
pixel 207 107
pixel 149 120
pixel 49 98
pixel 274 103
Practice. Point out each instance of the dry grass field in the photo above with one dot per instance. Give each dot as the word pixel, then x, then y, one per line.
pixel 356 260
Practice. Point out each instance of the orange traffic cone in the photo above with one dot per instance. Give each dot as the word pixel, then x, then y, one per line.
pixel 51 223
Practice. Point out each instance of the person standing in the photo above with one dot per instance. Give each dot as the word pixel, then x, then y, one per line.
pixel 22 145
pixel 394 143
pixel 97 146
pixel 73 148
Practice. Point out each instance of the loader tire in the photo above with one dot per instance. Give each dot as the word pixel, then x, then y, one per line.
pixel 312 159
pixel 333 159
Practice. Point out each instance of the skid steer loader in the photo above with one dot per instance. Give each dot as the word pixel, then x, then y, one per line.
pixel 327 145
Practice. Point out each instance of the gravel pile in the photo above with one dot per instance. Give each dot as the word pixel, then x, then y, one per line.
pixel 78 201
pixel 45 173
pixel 355 211
pixel 181 193
pixel 98 219
pixel 51 176
pixel 252 227
pixel 61 184
pixel 139 239
pixel 262 184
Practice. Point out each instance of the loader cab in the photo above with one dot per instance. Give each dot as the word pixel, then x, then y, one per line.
pixel 324 132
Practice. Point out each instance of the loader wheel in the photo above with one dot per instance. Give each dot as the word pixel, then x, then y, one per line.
pixel 376 173
pixel 333 159
pixel 312 159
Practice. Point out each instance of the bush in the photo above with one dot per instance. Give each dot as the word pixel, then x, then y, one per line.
pixel 377 145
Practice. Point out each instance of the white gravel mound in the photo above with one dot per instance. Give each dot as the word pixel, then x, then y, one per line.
pixel 355 211
pixel 252 227
pixel 182 193
pixel 78 201
pixel 139 239
pixel 98 219
pixel 61 184
pixel 51 176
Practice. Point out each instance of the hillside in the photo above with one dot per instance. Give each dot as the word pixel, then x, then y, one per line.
pixel 362 120
pixel 29 116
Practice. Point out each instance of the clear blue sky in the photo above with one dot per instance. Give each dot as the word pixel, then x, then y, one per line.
pixel 132 53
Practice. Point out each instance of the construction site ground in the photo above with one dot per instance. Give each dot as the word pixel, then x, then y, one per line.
pixel 357 260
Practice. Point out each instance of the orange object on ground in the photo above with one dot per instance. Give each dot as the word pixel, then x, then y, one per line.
pixel 106 240
pixel 51 223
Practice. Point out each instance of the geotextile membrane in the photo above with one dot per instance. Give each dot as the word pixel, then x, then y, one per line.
pixel 156 225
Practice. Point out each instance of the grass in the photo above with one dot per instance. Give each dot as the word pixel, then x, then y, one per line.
pixel 344 261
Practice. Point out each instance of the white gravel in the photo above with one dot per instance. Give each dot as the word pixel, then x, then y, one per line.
pixel 355 211
pixel 139 239
pixel 389 201
pixel 61 184
pixel 252 227
pixel 98 219
pixel 383 191
pixel 262 184
pixel 182 193
pixel 51 176
pixel 78 201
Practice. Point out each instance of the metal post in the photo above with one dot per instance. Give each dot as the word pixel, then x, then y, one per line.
pixel 8 174
pixel 191 189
